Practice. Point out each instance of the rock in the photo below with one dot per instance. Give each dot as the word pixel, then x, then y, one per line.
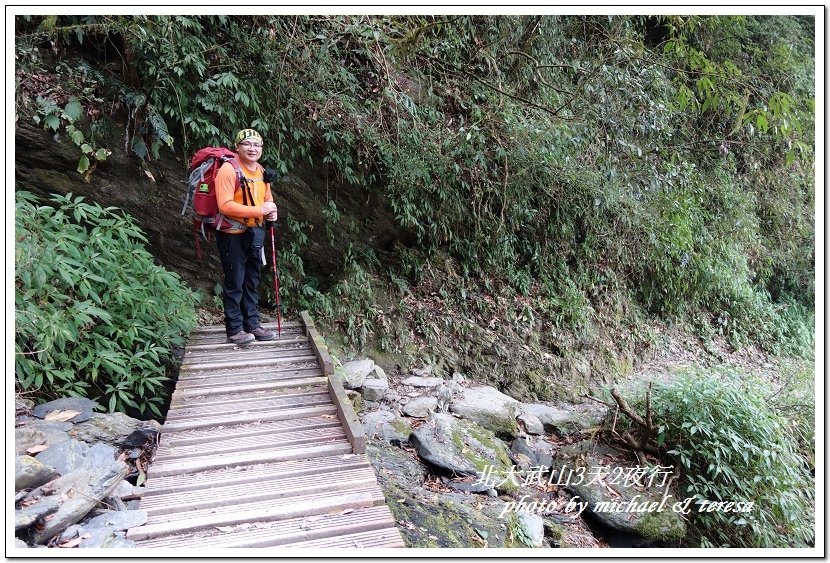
pixel 356 399
pixel 425 371
pixel 65 457
pixel 122 543
pixel 377 373
pixel 111 428
pixel 18 543
pixel 140 438
pixel 458 377
pixel 354 373
pixel 118 520
pixel 531 424
pixel 554 420
pixel 75 494
pixel 659 523
pixel 475 487
pixel 84 406
pixel 30 473
pixel 126 489
pixel 385 426
pixel 490 408
pixel 100 455
pixel 420 407
pixel 423 381
pixel 23 519
pixel 40 433
pixel 460 447
pixel 96 538
pixel 374 389
pixel 533 526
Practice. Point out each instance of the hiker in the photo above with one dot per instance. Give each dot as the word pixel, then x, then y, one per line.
pixel 240 237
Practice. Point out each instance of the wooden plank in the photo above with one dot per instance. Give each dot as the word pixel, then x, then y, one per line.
pixel 263 362
pixel 276 533
pixel 287 326
pixel 281 414
pixel 253 404
pixel 256 428
pixel 235 357
pixel 235 376
pixel 388 537
pixel 260 456
pixel 217 495
pixel 213 445
pixel 348 418
pixel 268 510
pixel 206 393
pixel 285 342
pixel 326 467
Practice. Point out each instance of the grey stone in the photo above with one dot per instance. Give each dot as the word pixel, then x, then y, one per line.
pixel 100 455
pixel 531 423
pixel 20 543
pixel 553 419
pixel 84 406
pixel 30 473
pixel 96 538
pixel 23 520
pixel 661 524
pixel 385 426
pixel 474 487
pixel 377 373
pixel 420 407
pixel 65 457
pixel 118 520
pixel 458 377
pixel 110 428
pixel 76 494
pixel 425 371
pixel 374 389
pixel 354 373
pixel 70 533
pixel 423 381
pixel 490 408
pixel 126 489
pixel 40 433
pixel 533 526
pixel 459 446
pixel 122 543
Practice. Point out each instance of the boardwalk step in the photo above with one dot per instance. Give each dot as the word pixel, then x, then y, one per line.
pixel 272 534
pixel 263 511
pixel 205 394
pixel 327 467
pixel 215 445
pixel 284 342
pixel 252 405
pixel 273 487
pixel 237 373
pixel 388 537
pixel 236 358
pixel 287 326
pixel 236 431
pixel 298 358
pixel 263 455
pixel 279 414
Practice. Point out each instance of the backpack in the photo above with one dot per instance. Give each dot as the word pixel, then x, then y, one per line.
pixel 201 192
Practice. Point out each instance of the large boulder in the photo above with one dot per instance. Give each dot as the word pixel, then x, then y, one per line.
pixel 490 408
pixel 462 447
pixel 354 374
pixel 598 476
pixel 554 420
pixel 30 473
pixel 111 428
pixel 386 426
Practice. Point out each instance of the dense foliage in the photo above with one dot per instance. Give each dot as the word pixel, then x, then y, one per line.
pixel 94 315
pixel 732 444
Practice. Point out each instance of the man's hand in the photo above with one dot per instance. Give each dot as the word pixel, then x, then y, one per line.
pixel 272 216
pixel 268 208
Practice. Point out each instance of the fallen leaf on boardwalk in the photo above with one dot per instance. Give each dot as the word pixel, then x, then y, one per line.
pixel 36 449
pixel 328 416
pixel 348 511
pixel 61 416
pixel 225 528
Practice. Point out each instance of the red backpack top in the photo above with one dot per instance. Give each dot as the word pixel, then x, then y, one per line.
pixel 201 190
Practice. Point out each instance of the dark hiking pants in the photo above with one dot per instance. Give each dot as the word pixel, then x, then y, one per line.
pixel 241 256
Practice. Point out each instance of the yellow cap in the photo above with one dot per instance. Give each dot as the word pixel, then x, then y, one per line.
pixel 248 134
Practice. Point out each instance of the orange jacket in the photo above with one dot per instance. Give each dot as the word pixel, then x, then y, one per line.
pixel 231 202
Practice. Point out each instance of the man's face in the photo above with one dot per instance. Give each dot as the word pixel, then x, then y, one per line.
pixel 250 150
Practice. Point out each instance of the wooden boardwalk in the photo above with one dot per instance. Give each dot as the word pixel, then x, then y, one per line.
pixel 261 448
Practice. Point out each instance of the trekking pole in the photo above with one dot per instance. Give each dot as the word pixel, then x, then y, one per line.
pixel 276 280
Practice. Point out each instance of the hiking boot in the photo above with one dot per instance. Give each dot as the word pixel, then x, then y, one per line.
pixel 261 334
pixel 241 337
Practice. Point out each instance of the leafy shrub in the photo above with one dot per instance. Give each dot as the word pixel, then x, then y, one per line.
pixel 731 445
pixel 94 316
